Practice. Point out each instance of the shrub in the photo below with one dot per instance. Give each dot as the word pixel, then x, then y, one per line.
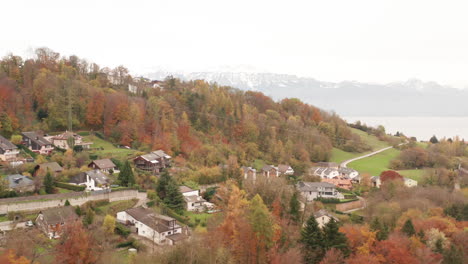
pixel 122 230
pixel 68 186
pixel 125 244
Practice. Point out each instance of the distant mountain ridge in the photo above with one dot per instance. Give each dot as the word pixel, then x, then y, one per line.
pixel 349 98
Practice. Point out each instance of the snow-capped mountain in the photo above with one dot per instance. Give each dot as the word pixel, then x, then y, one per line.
pixel 409 98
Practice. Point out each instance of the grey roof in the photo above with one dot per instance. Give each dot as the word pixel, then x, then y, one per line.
pixel 96 175
pixel 18 180
pixel 151 157
pixel 323 212
pixel 59 215
pixel 177 237
pixel 247 169
pixel 148 217
pixel 6 144
pixel 37 138
pixel 104 163
pixel 53 166
pixel 194 199
pixel 184 189
pixel 312 186
pixel 269 167
pixel 161 154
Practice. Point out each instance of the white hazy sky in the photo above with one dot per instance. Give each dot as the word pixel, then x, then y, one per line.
pixel 331 40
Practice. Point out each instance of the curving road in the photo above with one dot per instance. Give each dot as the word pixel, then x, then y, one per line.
pixel 345 163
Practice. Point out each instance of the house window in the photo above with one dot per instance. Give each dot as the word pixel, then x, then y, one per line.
pixel 169 233
pixel 193 204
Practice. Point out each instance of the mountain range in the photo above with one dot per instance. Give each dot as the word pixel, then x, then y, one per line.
pixel 348 98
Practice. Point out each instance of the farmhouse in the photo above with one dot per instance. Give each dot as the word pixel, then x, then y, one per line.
pixel 37 143
pixel 193 200
pixel 155 161
pixel 285 169
pixel 64 140
pixel 313 190
pixel 377 182
pixel 20 183
pixel 249 172
pixel 104 165
pixel 323 217
pixel 270 170
pixel 94 180
pixel 161 229
pixel 52 221
pixel 8 151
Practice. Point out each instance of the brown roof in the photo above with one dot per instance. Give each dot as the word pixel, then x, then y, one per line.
pixel 53 166
pixel 104 164
pixel 184 189
pixel 283 168
pixel 36 137
pixel 59 215
pixel 148 217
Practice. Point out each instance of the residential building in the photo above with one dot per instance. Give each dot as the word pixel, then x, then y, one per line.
pixel 155 161
pixel 270 170
pixel 37 143
pixel 52 221
pixel 377 182
pixel 285 169
pixel 161 229
pixel 8 150
pixel 313 190
pixel 193 200
pixel 323 217
pixel 341 182
pixel 63 140
pixel 94 180
pixel 104 165
pixel 330 173
pixel 53 167
pixel 20 183
pixel 249 172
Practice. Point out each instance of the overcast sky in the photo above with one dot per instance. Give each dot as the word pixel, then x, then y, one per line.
pixel 330 40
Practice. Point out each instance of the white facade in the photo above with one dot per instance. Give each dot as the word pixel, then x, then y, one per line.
pixel 146 231
pixel 410 182
pixel 322 220
pixel 10 154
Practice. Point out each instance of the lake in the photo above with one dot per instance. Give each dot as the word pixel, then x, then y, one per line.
pixel 422 128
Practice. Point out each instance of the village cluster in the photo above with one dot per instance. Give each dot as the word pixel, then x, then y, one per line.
pixel 161 229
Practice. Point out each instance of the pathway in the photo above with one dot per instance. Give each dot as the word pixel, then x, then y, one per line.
pixel 345 163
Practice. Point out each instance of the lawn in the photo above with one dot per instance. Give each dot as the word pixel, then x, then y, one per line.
pixel 61 190
pixel 339 155
pixel 375 164
pixel 107 149
pixel 199 220
pixel 114 207
pixel 413 174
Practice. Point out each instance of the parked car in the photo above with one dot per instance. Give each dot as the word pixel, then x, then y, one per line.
pixel 29 223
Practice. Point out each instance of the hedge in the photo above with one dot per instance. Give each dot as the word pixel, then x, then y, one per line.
pixel 68 186
pixel 25 149
pixel 334 200
pixel 122 230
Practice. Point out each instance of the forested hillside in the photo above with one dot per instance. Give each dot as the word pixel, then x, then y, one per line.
pixel 203 123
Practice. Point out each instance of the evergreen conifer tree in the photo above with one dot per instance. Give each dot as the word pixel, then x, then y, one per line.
pixel 174 198
pixel 333 238
pixel 49 183
pixel 294 206
pixel 408 228
pixel 312 241
pixel 161 186
pixel 126 176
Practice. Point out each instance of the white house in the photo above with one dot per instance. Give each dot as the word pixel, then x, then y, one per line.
pixel 285 169
pixel 52 221
pixel 313 190
pixel 193 200
pixel 323 217
pixel 161 229
pixel 324 172
pixel 8 151
pixel 377 182
pixel 104 165
pixel 35 142
pixel 94 180
pixel 62 140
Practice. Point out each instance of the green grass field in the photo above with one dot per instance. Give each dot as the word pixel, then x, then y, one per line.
pixel 374 165
pixel 108 149
pixel 339 155
pixel 199 220
pixel 412 174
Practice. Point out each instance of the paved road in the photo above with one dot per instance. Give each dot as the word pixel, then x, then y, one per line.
pixel 345 163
